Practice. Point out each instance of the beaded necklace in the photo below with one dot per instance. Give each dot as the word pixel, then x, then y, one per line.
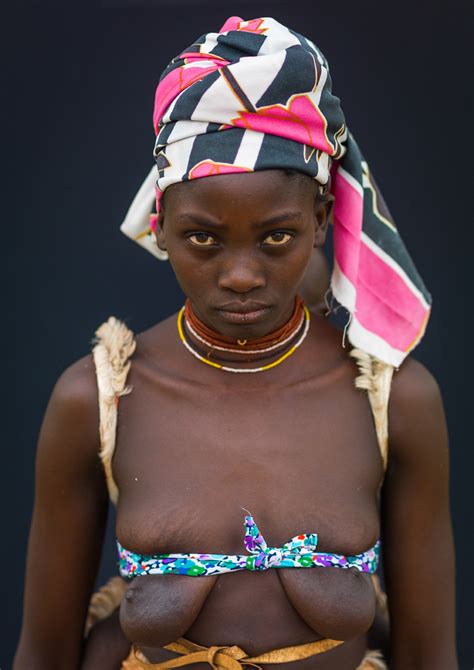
pixel 252 347
pixel 265 344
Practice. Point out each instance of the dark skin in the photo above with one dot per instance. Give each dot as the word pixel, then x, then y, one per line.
pixel 195 445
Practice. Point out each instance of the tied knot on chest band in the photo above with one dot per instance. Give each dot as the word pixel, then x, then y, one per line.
pixel 264 557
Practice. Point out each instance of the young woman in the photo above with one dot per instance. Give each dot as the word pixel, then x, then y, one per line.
pixel 245 414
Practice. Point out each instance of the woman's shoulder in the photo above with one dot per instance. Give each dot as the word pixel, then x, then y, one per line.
pixel 73 406
pixel 70 425
pixel 413 385
pixel 417 425
pixel 74 398
pixel 76 387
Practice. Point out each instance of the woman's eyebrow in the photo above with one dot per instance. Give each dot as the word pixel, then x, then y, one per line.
pixel 278 218
pixel 203 221
pixel 188 217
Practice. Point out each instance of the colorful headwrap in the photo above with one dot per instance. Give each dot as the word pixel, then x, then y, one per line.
pixel 258 95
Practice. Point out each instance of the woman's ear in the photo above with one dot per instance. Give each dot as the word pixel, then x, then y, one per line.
pixel 323 206
pixel 159 232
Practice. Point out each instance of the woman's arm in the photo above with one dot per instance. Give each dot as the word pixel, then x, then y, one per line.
pixel 416 526
pixel 68 525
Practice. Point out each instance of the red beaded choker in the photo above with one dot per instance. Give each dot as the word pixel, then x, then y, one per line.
pixel 273 340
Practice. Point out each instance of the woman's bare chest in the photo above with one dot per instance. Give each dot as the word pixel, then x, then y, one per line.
pixel 301 459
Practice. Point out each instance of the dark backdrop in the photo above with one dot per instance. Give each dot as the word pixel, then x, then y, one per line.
pixel 78 139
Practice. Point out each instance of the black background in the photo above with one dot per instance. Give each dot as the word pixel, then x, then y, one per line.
pixel 77 141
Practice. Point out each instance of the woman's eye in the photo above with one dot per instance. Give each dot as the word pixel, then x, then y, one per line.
pixel 201 239
pixel 278 238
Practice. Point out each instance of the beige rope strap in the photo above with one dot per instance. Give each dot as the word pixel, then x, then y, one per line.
pixel 113 345
pixel 226 658
pixel 376 378
pixel 105 601
pixel 380 596
pixel 373 660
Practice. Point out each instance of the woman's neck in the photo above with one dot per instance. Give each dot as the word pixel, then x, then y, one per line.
pixel 242 354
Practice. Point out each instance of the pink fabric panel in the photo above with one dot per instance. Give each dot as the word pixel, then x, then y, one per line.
pixel 232 23
pixel 346 251
pixel 300 121
pixel 385 305
pixel 253 26
pixel 348 210
pixel 208 168
pixel 178 80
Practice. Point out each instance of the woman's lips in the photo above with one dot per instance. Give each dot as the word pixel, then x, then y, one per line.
pixel 244 317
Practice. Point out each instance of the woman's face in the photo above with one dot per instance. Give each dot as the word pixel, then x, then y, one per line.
pixel 239 245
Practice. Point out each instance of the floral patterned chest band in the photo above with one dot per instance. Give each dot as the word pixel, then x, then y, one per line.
pixel 299 552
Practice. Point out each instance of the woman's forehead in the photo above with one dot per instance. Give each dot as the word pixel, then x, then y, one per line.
pixel 253 189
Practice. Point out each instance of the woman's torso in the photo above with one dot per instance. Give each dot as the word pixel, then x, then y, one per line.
pixel 296 446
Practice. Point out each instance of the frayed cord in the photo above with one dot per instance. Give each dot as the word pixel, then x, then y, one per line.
pixel 329 301
pixel 345 330
pixel 326 302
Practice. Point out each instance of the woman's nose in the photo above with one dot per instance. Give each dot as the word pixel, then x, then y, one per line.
pixel 241 275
